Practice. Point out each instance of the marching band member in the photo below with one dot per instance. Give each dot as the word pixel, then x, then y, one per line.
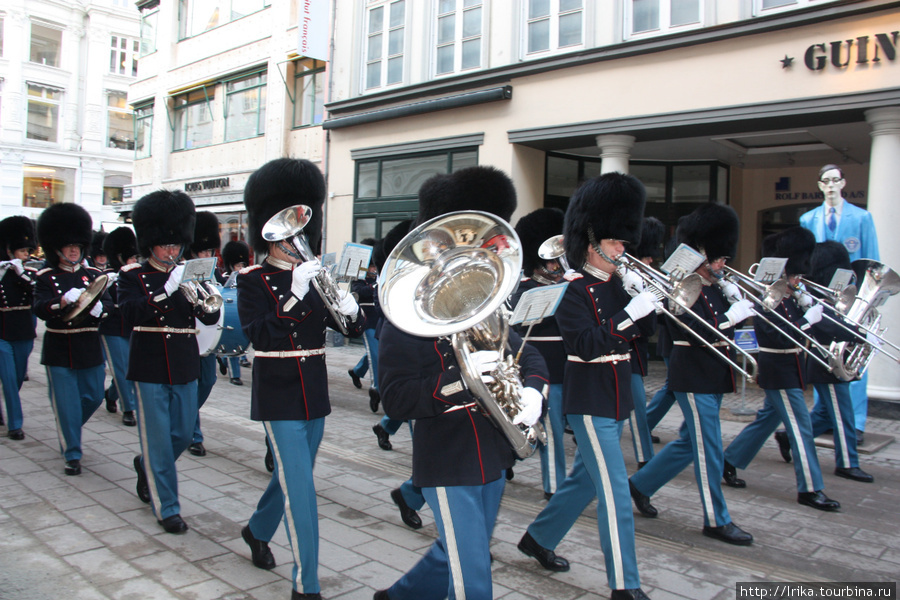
pixel 285 320
pixel 17 241
pixel 459 456
pixel 699 378
pixel 782 375
pixel 97 257
pixel 236 256
pixel 120 248
pixel 366 291
pixel 71 351
pixel 597 319
pixel 163 358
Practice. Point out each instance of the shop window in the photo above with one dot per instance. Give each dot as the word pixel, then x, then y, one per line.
pixel 45 185
pixel 198 16
pixel 245 107
pixel 385 41
pixel 459 35
pixel 123 56
pixel 112 196
pixel 552 25
pixel 143 130
pixel 149 21
pixel 43 113
pixel 45 45
pixel 193 125
pixel 661 16
pixel 309 92
pixel 119 123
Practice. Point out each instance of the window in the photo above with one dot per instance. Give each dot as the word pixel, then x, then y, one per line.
pixel 384 44
pixel 761 7
pixel 45 185
pixel 662 16
pixel 1 36
pixel 554 24
pixel 119 126
pixel 43 113
pixel 113 187
pixel 149 21
pixel 459 27
pixel 45 45
pixel 197 16
pixel 193 119
pixel 123 56
pixel 309 92
pixel 245 107
pixel 143 128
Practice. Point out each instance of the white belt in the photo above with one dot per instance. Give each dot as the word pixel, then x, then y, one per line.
pixel 289 353
pixel 780 350
pixel 459 407
pixel 165 330
pixel 613 358
pixel 9 308
pixel 687 343
pixel 367 304
pixel 546 338
pixel 67 331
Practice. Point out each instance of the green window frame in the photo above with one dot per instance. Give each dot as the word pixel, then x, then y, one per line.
pixel 245 106
pixel 309 92
pixel 143 130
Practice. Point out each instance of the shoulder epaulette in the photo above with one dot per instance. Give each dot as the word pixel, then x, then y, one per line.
pixel 130 267
pixel 44 270
pixel 246 270
pixel 572 276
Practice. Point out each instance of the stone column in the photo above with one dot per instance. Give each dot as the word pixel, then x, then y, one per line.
pixel 615 150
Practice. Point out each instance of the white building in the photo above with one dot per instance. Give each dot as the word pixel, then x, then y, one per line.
pixel 66 132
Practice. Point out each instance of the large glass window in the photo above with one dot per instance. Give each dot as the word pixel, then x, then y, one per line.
pixel 761 7
pixel 149 21
pixel 143 128
pixel 45 45
pixel 123 56
pixel 309 92
pixel 553 24
pixel 385 33
pixel 46 185
pixel 245 107
pixel 662 16
pixel 459 37
pixel 119 124
pixel 193 124
pixel 197 16
pixel 43 113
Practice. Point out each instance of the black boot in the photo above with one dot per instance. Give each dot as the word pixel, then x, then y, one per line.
pixel 384 438
pixel 547 557
pixel 784 445
pixel 270 460
pixel 642 502
pixel 110 402
pixel 729 475
pixel 260 553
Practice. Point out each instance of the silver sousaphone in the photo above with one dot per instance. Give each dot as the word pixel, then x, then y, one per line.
pixel 451 276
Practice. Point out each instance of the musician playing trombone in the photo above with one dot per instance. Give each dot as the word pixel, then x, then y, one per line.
pixel 782 374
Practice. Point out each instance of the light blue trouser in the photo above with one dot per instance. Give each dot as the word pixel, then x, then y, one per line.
pixel 369 358
pixel 788 407
pixel 553 455
pixel 115 349
pixel 836 408
pixel 661 402
pixel 294 448
pixel 860 400
pixel 458 564
pixel 640 430
pixel 700 441
pixel 392 426
pixel 166 416
pixel 234 366
pixel 13 362
pixel 74 396
pixel 598 472
pixel 204 387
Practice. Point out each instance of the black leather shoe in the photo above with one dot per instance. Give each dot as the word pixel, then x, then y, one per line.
pixel 2 422
pixel 548 495
pixel 655 440
pixel 16 434
pixel 384 438
pixel 642 502
pixel 729 476
pixel 245 362
pixel 259 550
pixel 174 524
pixel 819 501
pixel 128 418
pixel 731 534
pixel 110 403
pixel 295 595
pixel 548 558
pixel 408 515
pixel 270 460
pixel 197 449
pixel 355 378
pixel 223 366
pixel 510 474
pixel 236 381
pixel 374 399
pixel 860 437
pixel 635 594
pixel 143 489
pixel 854 473
pixel 381 595
pixel 784 445
pixel 641 464
pixel 73 467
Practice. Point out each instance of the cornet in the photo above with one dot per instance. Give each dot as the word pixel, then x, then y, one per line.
pixel 203 294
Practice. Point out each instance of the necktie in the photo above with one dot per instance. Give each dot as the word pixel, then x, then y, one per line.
pixel 832 222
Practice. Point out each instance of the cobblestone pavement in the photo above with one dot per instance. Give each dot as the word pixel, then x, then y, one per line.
pixel 89 537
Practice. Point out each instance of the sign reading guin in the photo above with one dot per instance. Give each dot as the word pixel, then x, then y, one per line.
pixel 862 50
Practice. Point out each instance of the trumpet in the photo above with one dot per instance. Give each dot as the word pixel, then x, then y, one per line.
pixel 203 294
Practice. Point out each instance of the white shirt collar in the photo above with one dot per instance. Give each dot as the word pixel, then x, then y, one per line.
pixel 837 209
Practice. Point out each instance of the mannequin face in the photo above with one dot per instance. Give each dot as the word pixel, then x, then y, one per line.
pixel 612 248
pixel 831 183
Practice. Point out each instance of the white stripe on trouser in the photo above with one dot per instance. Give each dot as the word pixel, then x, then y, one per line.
pixel 371 368
pixel 59 431
pixel 288 514
pixel 636 438
pixel 452 550
pixel 145 452
pixel 802 457
pixel 611 516
pixel 701 462
pixel 839 424
pixel 112 370
pixel 551 452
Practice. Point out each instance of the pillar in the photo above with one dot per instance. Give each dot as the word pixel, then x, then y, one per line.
pixel 615 150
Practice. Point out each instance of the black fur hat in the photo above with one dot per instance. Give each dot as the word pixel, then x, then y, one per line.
pixel 385 246
pixel 652 233
pixel 235 252
pixel 206 232
pixel 483 188
pixel 163 217
pixel 61 225
pixel 534 229
pixel 827 257
pixel 119 246
pixel 97 244
pixel 795 244
pixel 277 185
pixel 712 228
pixel 16 233
pixel 612 205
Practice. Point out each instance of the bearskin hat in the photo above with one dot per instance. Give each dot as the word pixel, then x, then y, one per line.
pixel 652 233
pixel 163 217
pixel 16 233
pixel 386 245
pixel 61 225
pixel 712 229
pixel 235 252
pixel 481 188
pixel 97 238
pixel 206 232
pixel 795 244
pixel 611 205
pixel 827 257
pixel 119 246
pixel 534 229
pixel 277 185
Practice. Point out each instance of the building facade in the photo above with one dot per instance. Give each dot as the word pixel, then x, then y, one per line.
pixel 66 132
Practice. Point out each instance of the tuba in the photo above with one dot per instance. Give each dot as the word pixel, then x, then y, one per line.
pixel 451 276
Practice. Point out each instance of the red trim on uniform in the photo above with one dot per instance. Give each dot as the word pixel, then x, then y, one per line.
pixel 278 302
pixel 477 446
pixel 616 376
pixel 440 356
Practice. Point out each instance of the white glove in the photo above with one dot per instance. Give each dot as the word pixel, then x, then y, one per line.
pixel 112 276
pixel 813 314
pixel 641 305
pixel 731 291
pixel 302 275
pixel 72 295
pixel 739 311
pixel 97 310
pixel 485 361
pixel 347 306
pixel 632 282
pixel 16 264
pixel 174 280
pixel 532 405
pixel 804 299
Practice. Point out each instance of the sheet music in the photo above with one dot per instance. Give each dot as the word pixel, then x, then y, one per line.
pixel 683 261
pixel 199 269
pixel 770 270
pixel 536 305
pixel 355 261
pixel 841 279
